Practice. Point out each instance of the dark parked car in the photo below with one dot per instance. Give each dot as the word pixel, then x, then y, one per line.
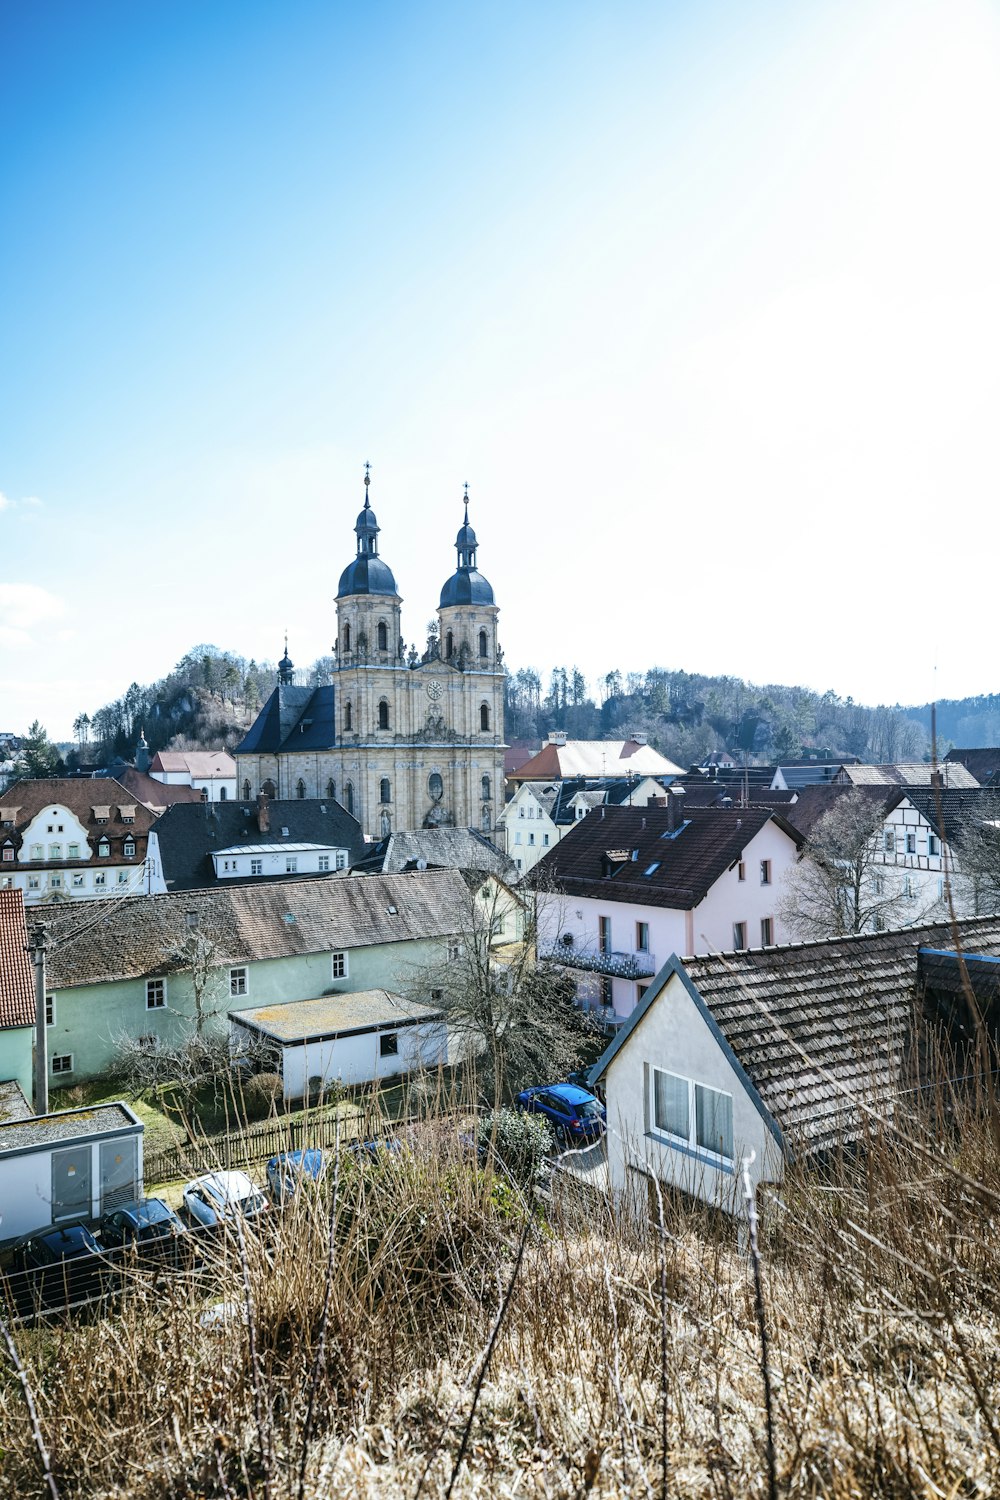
pixel 55 1267
pixel 286 1172
pixel 575 1115
pixel 149 1226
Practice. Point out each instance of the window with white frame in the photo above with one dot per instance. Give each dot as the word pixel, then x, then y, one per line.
pixel 62 1062
pixel 55 881
pixel 911 843
pixel 101 878
pixel 878 884
pixel 604 934
pixel 908 889
pixel 103 849
pixel 238 981
pixel 34 882
pixel 323 863
pixel 55 851
pixel 341 859
pixel 78 882
pixel 156 994
pixel 256 867
pixel 454 952
pixel 73 851
pixel 933 846
pixel 6 882
pixel 693 1114
pixel 338 965
pixel 37 852
pixel 50 1010
pixel 128 848
pixel 642 937
pixel 8 853
pixel 517 835
pixel 123 877
pixel 291 864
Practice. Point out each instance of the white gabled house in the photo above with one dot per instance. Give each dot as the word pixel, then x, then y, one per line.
pixel 628 887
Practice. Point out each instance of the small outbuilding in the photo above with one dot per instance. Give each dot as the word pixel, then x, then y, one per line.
pixel 344 1038
pixel 75 1164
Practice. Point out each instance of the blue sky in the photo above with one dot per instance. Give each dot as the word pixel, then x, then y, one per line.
pixel 702 299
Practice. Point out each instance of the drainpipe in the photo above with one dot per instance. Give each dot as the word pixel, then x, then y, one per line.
pixel 37 949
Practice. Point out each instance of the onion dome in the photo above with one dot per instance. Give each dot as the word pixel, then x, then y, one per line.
pixel 286 667
pixel 367 574
pixel 466 585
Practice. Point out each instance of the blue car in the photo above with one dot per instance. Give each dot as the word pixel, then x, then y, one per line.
pixel 285 1172
pixel 576 1117
pixel 56 1267
pixel 144 1223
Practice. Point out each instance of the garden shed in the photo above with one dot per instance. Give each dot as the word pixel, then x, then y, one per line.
pixel 75 1164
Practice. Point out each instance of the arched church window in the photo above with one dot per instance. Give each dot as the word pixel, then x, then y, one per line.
pixel 300 788
pixel 384 790
pixel 486 820
pixel 269 789
pixel 222 794
pixel 487 793
pixel 349 797
pixel 246 791
pixel 331 790
pixel 383 714
pixel 383 636
pixel 484 716
pixel 482 644
pixel 348 716
pixel 449 646
pixel 347 637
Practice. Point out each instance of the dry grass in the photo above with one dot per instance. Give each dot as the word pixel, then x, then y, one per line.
pixel 372 1307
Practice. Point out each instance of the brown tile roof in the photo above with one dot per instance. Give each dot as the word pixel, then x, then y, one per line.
pixel 687 865
pixel 17 985
pixel 824 1028
pixel 132 936
pixel 203 763
pixel 88 799
pixel 156 795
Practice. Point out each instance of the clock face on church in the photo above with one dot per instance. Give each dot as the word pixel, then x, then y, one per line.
pixel 434 690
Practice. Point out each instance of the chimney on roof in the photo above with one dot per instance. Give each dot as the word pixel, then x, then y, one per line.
pixel 263 812
pixel 937 778
pixel 675 808
pixel 656 801
pixel 557 737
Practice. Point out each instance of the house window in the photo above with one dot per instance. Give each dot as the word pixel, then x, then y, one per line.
pixel 55 881
pixel 55 851
pixel 323 863
pixel 383 714
pixel 483 644
pixel 642 937
pixel 484 717
pixel 765 872
pixel 741 871
pixel 269 789
pixel 349 797
pixel 36 851
pixel 50 1010
pixel 291 864
pixel 889 841
pixel 62 1063
pixel 545 839
pixel 338 965
pixel 453 953
pixel 607 992
pixel 156 994
pixel 640 990
pixel 486 792
pixel 256 867
pixel 517 835
pixel 34 882
pixel 331 790
pixel 128 848
pixel 692 1113
pixel 449 646
pixel 382 635
pixel 103 849
pixel 348 716
pixel 300 789
pixel 908 890
pixel 8 852
pixel 127 817
pixel 766 932
pixel 100 878
pixel 531 838
pixel 78 882
pixel 123 877
pixel 341 859
pixel 347 643
pixel 739 935
pixel 388 1044
pixel 933 847
pixel 384 790
pixel 604 934
pixel 878 885
pixel 520 812
pixel 911 843
pixel 238 981
pixel 73 852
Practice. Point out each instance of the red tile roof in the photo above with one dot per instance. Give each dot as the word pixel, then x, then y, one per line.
pixel 17 987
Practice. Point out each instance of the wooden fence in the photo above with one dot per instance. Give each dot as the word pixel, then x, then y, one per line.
pixel 257 1143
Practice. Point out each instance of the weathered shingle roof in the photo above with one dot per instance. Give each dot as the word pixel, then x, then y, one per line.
pixel 17 988
pixel 441 848
pixel 917 774
pixel 133 936
pixel 608 853
pixel 983 763
pixel 188 836
pixel 334 1015
pixel 814 802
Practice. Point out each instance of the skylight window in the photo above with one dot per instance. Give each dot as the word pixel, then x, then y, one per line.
pixel 651 869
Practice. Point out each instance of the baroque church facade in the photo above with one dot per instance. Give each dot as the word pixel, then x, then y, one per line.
pixel 403 741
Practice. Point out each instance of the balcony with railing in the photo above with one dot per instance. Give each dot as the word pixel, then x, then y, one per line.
pixel 617 964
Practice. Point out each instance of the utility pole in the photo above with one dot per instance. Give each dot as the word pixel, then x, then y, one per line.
pixel 37 948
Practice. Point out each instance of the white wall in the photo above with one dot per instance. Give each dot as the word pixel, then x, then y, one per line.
pixel 231 866
pixel 674 1035
pixel 356 1059
pixel 26 1184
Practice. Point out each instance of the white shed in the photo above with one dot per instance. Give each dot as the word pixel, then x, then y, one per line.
pixel 348 1039
pixel 72 1165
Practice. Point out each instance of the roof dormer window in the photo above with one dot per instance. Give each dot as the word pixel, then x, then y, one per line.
pixel 128 848
pixel 103 849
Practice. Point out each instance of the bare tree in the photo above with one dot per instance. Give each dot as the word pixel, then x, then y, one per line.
pixel 198 957
pixel 977 846
pixel 505 1010
pixel 842 884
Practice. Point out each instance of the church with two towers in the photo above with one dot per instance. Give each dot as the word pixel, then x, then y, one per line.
pixel 403 740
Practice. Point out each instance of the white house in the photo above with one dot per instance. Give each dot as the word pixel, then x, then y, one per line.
pixel 775 1054
pixel 69 839
pixel 74 1164
pixel 344 1039
pixel 628 887
pixel 212 772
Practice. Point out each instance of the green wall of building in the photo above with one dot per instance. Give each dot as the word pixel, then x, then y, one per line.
pixel 16 1048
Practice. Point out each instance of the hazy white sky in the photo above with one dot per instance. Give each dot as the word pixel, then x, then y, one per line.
pixel 703 300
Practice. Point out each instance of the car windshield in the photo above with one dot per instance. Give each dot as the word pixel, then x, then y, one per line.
pixel 252 1204
pixel 156 1231
pixel 590 1110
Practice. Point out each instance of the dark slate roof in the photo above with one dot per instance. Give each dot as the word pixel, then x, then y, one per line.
pixel 466 586
pixel 17 985
pixel 293 718
pixel 441 848
pixel 820 1029
pixel 949 810
pixel 688 863
pixel 367 574
pixel 983 763
pixel 188 836
pixel 700 791
pixel 735 776
pixel 813 802
pixel 133 937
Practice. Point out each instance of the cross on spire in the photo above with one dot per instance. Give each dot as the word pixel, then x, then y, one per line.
pixel 466 502
pixel 367 483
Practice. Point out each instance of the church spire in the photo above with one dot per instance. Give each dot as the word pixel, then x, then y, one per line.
pixel 286 667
